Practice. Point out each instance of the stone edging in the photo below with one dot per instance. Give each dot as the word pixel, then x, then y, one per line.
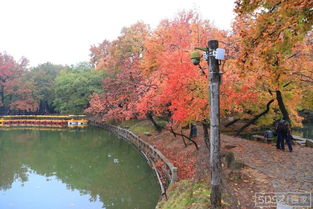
pixel 303 141
pixel 166 174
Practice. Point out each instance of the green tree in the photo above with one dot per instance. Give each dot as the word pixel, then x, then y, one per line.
pixel 43 77
pixel 74 85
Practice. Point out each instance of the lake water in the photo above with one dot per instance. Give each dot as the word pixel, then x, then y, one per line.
pixel 73 169
pixel 306 131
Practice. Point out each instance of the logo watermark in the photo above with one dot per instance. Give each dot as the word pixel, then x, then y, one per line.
pixel 291 199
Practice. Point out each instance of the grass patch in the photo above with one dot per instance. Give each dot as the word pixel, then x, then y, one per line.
pixel 190 194
pixel 187 194
pixel 161 123
pixel 138 126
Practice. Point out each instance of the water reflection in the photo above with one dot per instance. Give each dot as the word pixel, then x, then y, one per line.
pixel 90 162
pixel 26 195
pixel 306 131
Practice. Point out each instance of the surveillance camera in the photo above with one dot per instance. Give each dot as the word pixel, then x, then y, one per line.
pixel 219 54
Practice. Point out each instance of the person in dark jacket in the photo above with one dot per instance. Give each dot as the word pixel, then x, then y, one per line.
pixel 288 138
pixel 283 132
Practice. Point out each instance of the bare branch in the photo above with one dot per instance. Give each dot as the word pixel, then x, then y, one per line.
pixel 184 136
pixel 287 84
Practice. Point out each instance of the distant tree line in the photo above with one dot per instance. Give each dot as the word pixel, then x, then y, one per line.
pixel 46 88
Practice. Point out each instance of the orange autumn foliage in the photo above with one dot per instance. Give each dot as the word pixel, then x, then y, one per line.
pixel 268 33
pixel 15 91
pixel 162 79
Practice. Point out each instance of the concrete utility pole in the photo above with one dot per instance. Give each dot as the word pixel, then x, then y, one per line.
pixel 215 161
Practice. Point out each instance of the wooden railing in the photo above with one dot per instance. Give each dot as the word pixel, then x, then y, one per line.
pixel 166 172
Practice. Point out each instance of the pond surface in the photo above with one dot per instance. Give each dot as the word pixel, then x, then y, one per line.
pixel 73 169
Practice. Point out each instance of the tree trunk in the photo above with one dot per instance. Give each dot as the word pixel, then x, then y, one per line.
pixel 2 109
pixel 206 134
pixel 193 131
pixel 255 118
pixel 282 106
pixel 157 127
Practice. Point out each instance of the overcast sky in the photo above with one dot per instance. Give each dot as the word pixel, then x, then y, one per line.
pixel 62 31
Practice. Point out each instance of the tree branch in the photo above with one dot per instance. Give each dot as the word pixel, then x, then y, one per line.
pixel 183 136
pixel 232 122
pixel 287 84
pixel 255 118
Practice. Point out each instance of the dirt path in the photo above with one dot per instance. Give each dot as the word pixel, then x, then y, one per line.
pixel 288 171
pixel 267 170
